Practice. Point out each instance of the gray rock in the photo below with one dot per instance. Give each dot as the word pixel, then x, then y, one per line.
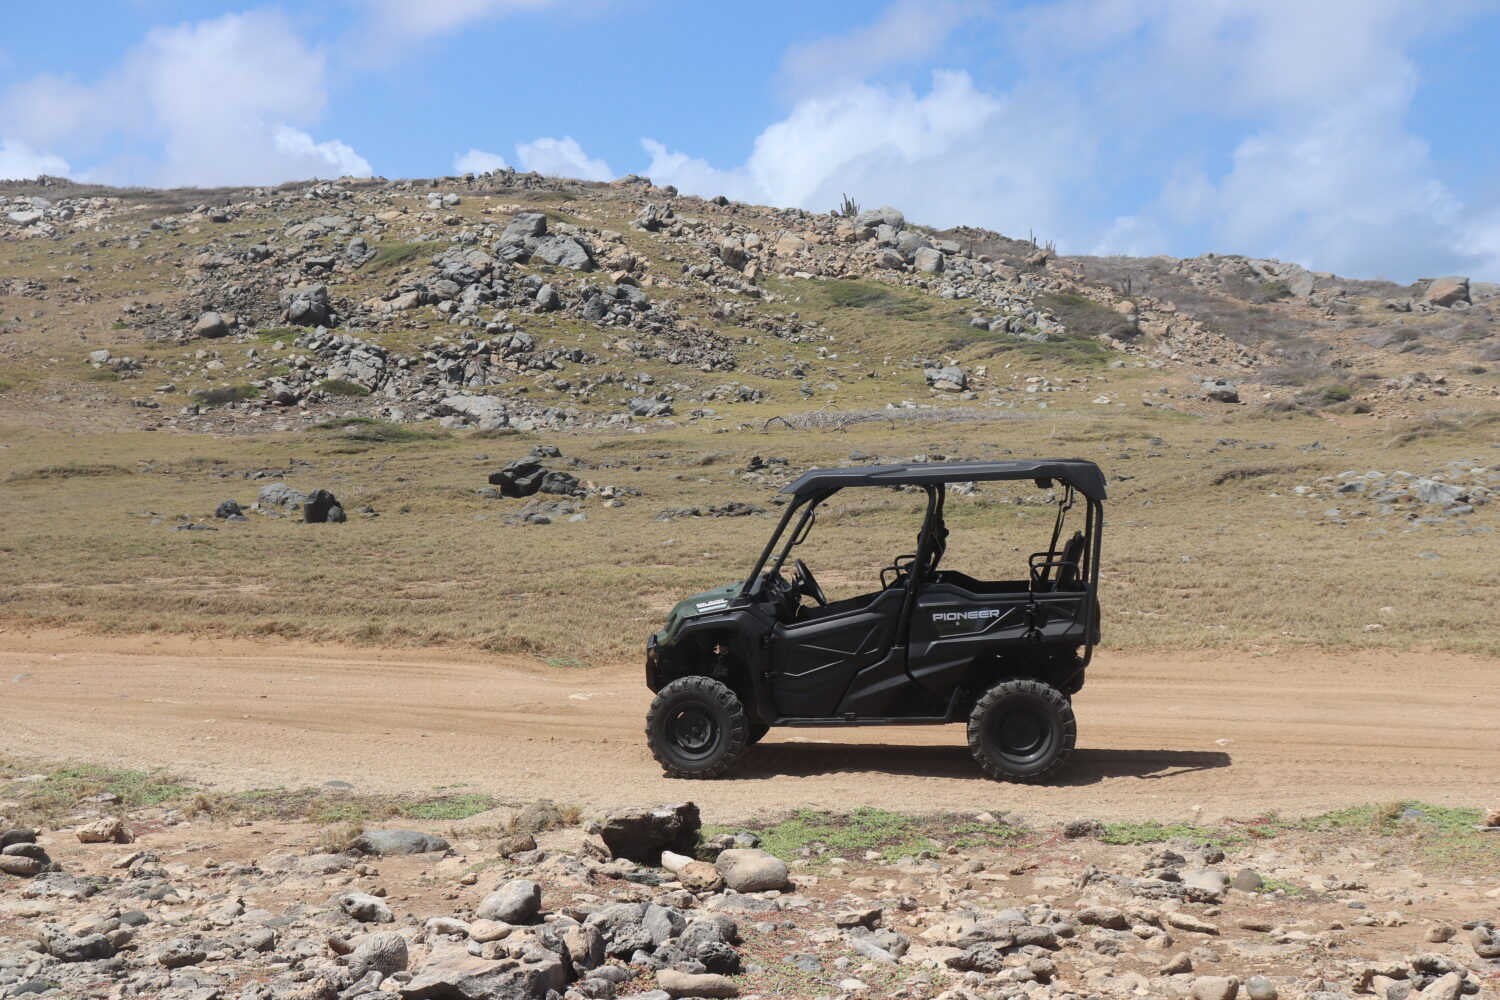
pixel 66 947
pixel 1260 988
pixel 1102 916
pixel 1448 291
pixel 1432 491
pixel 365 908
pixel 1247 881
pixel 928 260
pixel 1075 828
pixel 515 902
pixel 1208 880
pixel 751 870
pixel 384 952
pixel 21 867
pixel 563 251
pixel 486 412
pixel 543 814
pixel 1221 391
pixel 398 842
pixel 228 509
pixel 211 325
pixel 1215 988
pixel 547 298
pixel 642 834
pixel 180 952
pixel 706 984
pixel 450 973
pixel 279 495
pixel 884 216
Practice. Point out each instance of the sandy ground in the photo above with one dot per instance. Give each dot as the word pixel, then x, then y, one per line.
pixel 1172 737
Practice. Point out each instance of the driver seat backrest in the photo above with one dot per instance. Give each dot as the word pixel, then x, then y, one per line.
pixel 1071 563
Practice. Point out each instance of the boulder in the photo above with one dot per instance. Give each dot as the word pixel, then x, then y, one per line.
pixel 228 509
pixel 390 842
pixel 515 902
pixel 1447 291
pixel 181 952
pixel 1102 916
pixel 705 984
pixel 516 843
pixel 520 478
pixel 279 495
pixel 486 412
pixel 872 218
pixel 450 973
pixel 1247 881
pixel 365 908
pixel 307 306
pixel 384 953
pixel 928 259
pixel 1260 988
pixel 110 830
pixel 21 867
pixel 1221 391
pixel 563 251
pixel 542 815
pixel 1214 988
pixel 751 870
pixel 66 947
pixel 211 325
pixel 642 834
pixel 318 507
pixel 1432 491
pixel 547 298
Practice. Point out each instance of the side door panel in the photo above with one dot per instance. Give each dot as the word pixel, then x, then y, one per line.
pixel 951 626
pixel 813 662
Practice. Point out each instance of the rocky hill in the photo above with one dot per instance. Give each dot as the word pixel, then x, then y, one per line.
pixel 511 300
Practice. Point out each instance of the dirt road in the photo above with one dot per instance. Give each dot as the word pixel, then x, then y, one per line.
pixel 1169 736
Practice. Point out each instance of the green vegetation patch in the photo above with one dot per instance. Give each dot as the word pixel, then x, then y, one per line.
pixel 342 387
pixel 69 471
pixel 1084 317
pixel 226 395
pixel 1153 832
pixel 818 833
pixel 395 254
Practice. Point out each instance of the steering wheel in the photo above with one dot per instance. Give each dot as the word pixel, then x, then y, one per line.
pixel 804 583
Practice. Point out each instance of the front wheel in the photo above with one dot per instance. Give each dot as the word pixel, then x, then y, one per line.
pixel 696 728
pixel 1023 731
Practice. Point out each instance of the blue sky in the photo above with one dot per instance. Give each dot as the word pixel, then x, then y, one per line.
pixel 1357 136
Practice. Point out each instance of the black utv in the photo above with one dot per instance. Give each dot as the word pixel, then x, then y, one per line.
pixel 930 645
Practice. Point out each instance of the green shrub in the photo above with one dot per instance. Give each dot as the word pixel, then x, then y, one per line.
pixel 342 387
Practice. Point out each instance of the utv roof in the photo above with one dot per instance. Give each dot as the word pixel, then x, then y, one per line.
pixel 1081 474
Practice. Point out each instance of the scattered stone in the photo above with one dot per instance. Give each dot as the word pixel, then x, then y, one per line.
pixel 751 870
pixel 398 842
pixel 1215 988
pixel 642 834
pixel 516 902
pixel 707 984
pixel 110 830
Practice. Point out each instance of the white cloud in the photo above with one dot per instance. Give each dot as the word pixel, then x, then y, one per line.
pixel 222 101
pixel 478 161
pixel 18 161
pixel 948 156
pixel 1279 128
pixel 393 27
pixel 907 31
pixel 561 158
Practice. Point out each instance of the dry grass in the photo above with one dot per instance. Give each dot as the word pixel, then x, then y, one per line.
pixel 1197 554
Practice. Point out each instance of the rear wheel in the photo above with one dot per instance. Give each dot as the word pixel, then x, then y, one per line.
pixel 696 728
pixel 1022 730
